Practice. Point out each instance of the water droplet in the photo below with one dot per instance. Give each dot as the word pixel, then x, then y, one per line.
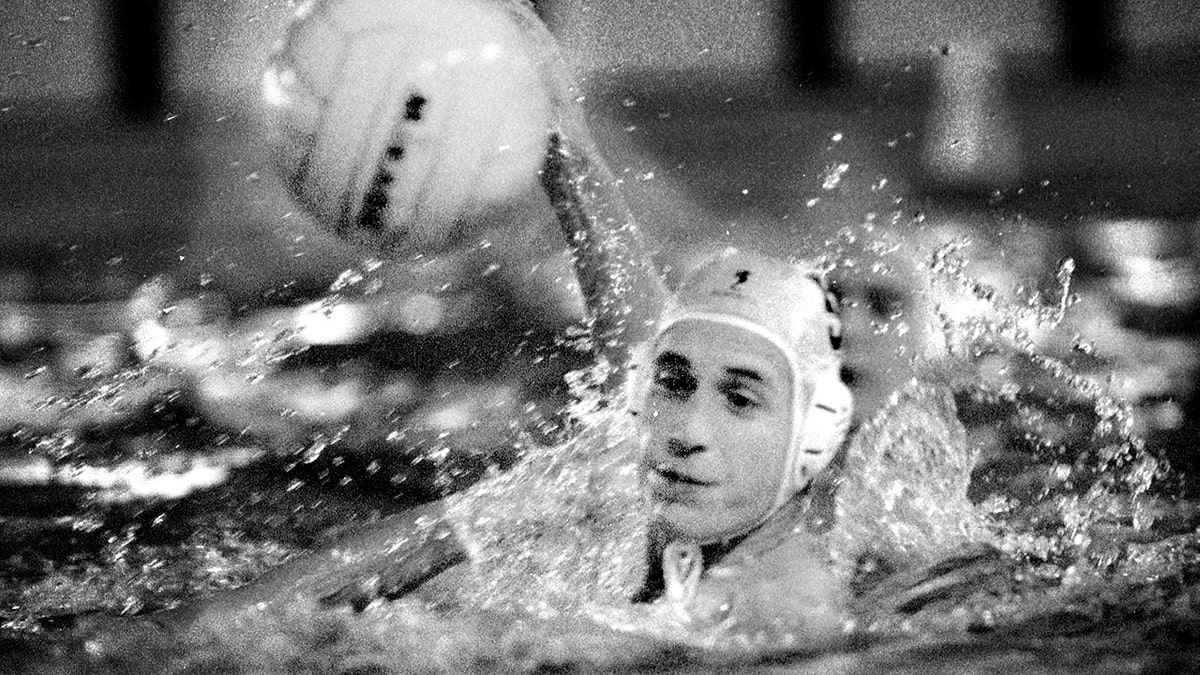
pixel 313 452
pixel 346 279
pixel 831 177
pixel 1080 346
pixel 1107 408
pixel 36 372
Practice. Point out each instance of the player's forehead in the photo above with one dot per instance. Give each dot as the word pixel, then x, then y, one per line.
pixel 718 350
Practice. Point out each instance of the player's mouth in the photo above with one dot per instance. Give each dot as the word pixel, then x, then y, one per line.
pixel 676 477
pixel 668 477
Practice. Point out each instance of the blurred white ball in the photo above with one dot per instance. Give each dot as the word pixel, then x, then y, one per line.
pixel 400 124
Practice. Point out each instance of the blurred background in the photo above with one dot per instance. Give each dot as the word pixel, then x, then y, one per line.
pixel 131 128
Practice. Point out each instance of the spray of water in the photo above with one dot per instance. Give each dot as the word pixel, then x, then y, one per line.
pixel 1106 478
pixel 565 529
pixel 926 536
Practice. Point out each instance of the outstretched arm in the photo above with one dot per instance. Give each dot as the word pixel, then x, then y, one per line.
pixel 623 292
pixel 385 559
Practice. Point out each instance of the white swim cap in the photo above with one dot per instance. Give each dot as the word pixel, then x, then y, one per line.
pixel 788 305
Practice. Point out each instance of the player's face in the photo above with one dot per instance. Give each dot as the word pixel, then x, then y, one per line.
pixel 716 430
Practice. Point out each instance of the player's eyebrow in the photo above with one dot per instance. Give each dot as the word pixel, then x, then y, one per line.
pixel 749 375
pixel 753 375
pixel 669 359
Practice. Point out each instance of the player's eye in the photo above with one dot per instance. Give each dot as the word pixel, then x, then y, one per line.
pixel 742 399
pixel 674 382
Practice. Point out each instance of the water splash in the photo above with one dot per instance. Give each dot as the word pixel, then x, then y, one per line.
pixel 904 487
pixel 565 529
pixel 1105 477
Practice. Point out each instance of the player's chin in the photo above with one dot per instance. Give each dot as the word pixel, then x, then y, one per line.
pixel 705 522
pixel 692 521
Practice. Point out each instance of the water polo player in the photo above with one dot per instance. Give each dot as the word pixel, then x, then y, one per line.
pixel 736 404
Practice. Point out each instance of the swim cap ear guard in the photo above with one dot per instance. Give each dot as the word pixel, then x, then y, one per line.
pixel 824 427
pixel 790 306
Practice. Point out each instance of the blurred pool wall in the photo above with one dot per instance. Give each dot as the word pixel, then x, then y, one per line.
pixel 719 114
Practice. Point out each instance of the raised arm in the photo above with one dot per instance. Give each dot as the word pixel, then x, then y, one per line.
pixel 623 292
pixel 624 296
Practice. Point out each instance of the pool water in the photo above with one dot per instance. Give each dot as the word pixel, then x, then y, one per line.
pixel 997 512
